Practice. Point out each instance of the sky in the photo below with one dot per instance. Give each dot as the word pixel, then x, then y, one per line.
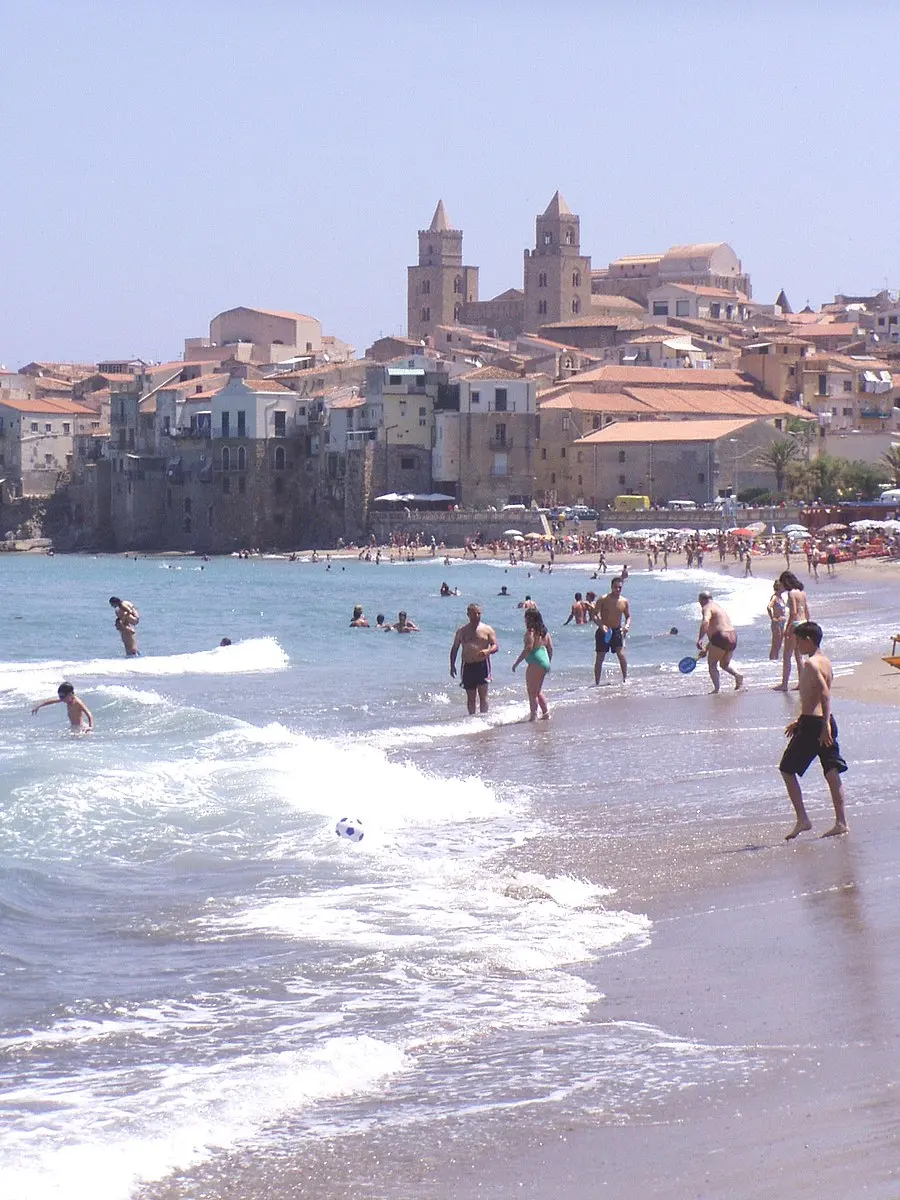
pixel 162 162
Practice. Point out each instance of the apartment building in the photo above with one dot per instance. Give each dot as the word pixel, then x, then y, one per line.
pixel 37 439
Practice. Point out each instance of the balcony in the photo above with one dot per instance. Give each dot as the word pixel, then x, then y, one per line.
pixel 500 443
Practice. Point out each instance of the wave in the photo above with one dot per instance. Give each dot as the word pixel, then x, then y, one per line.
pixel 250 657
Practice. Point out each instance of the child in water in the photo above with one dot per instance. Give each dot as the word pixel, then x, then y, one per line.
pixel 76 709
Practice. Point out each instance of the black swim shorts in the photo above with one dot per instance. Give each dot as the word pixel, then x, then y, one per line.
pixel 616 640
pixel 724 641
pixel 475 675
pixel 804 746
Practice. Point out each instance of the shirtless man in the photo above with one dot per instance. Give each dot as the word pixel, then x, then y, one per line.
pixel 721 641
pixel 578 613
pixel 813 734
pixel 797 611
pixel 75 708
pixel 127 617
pixel 613 618
pixel 477 642
pixel 404 625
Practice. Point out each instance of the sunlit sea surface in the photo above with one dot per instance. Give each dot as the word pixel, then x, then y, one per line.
pixel 193 962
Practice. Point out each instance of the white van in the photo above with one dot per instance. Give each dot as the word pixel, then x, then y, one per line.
pixel 681 505
pixel 891 496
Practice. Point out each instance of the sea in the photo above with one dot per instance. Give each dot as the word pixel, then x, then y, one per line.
pixel 195 968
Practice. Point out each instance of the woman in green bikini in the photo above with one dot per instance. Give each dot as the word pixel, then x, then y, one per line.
pixel 537 653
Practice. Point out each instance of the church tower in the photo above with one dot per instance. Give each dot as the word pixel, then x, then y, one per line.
pixel 557 274
pixel 440 285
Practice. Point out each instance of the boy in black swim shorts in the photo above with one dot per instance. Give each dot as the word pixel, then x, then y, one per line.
pixel 814 733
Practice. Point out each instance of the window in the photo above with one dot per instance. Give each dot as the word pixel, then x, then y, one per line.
pixel 595 424
pixel 407 463
pixel 279 458
pixel 660 308
pixel 226 484
pixel 576 306
pixel 682 308
pixel 848 385
pixel 576 279
pixel 226 424
pixel 542 279
pixel 848 412
pixel 48 460
pixel 580 480
pixel 621 481
pixel 280 417
pixel 457 285
pixel 242 458
pixel 500 465
pixel 548 239
pixel 715 310
pixel 48 428
pixel 67 428
pixel 241 423
pixel 570 238
pixel 544 453
pixel 226 459
pixel 242 484
pixel 476 397
pixel 167 426
pixel 500 395
pixel 553 477
pixel 423 416
pixel 500 434
pixel 823 386
pixel 621 456
pixel 562 453
pixel 701 478
pixel 426 287
pixel 566 422
pixel 456 311
pixel 542 308
pixel 580 457
pixel 187 506
pixel 426 314
pixel 187 524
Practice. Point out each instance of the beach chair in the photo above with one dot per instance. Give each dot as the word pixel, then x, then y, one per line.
pixel 893 659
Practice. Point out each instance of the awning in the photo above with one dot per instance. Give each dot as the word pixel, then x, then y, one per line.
pixel 405 370
pixel 871 377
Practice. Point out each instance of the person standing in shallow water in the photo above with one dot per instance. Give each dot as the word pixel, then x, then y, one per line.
pixel 797 611
pixel 813 734
pixel 537 652
pixel 127 617
pixel 721 641
pixel 478 642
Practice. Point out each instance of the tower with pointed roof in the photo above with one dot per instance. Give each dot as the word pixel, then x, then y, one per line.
pixel 439 285
pixel 557 274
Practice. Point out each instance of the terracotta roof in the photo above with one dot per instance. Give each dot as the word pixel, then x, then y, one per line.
pixel 697 289
pixel 636 258
pixel 705 402
pixel 619 303
pixel 830 330
pixel 598 320
pixel 266 312
pixel 491 373
pixel 662 431
pixel 664 377
pixel 349 402
pixel 60 408
pixel 263 385
pixel 597 402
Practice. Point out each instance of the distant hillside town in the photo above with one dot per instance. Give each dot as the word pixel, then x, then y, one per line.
pixel 657 375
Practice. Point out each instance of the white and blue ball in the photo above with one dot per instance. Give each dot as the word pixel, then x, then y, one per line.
pixel 349 829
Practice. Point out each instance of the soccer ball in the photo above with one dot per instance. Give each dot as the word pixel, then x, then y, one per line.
pixel 350 829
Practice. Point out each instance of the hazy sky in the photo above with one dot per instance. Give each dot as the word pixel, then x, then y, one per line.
pixel 163 161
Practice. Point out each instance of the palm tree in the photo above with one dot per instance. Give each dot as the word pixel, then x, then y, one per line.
pixel 805 431
pixel 777 457
pixel 891 459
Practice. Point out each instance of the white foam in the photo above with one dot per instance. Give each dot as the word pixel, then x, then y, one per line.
pixel 254 655
pixel 96 1144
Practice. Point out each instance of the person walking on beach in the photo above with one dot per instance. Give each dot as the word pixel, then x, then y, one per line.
pixel 127 617
pixel 797 611
pixel 613 617
pixel 813 734
pixel 537 651
pixel 721 641
pixel 75 708
pixel 477 642
pixel 775 609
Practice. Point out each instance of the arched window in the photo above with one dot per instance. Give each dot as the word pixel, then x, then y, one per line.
pixel 426 287
pixel 242 458
pixel 576 306
pixel 542 279
pixel 226 459
pixel 456 311
pixel 548 239
pixel 279 458
pixel 576 279
pixel 542 308
pixel 570 238
pixel 457 285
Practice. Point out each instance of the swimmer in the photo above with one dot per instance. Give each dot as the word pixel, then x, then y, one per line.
pixel 225 642
pixel 404 625
pixel 127 617
pixel 379 623
pixel 76 709
pixel 358 620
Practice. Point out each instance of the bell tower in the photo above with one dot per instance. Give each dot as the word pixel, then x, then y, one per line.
pixel 439 285
pixel 557 274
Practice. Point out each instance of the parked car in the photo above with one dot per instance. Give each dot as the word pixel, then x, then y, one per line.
pixel 584 513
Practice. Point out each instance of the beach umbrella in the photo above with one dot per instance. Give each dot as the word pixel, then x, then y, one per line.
pixel 512 533
pixel 742 532
pixel 795 529
pixel 892 526
pixel 868 524
pixel 757 527
pixel 539 536
pixel 835 527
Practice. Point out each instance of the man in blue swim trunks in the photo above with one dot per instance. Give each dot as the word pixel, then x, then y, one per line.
pixel 613 618
pixel 477 642
pixel 814 733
